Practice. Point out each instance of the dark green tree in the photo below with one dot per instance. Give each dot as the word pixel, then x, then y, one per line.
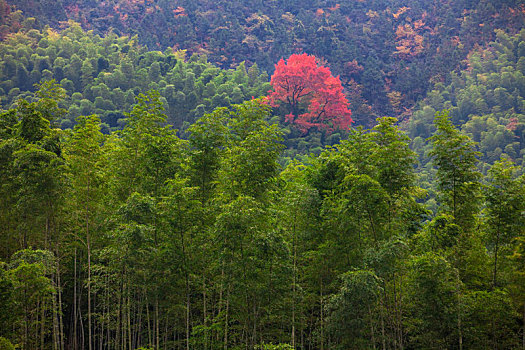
pixel 455 159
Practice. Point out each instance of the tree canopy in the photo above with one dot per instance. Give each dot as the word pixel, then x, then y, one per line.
pixel 313 97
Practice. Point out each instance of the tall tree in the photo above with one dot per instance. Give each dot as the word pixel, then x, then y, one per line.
pixel 433 292
pixel 251 249
pixel 30 272
pixel 147 155
pixel 352 309
pixel 455 159
pixel 505 203
pixel 314 98
pixel 83 154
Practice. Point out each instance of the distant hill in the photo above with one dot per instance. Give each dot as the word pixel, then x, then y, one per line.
pixel 487 100
pixel 388 52
pixel 103 75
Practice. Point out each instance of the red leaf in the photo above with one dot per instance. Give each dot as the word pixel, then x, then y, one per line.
pixel 312 95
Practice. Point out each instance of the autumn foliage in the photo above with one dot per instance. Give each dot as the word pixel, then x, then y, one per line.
pixel 313 97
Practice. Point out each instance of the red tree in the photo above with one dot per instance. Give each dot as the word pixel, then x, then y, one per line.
pixel 313 96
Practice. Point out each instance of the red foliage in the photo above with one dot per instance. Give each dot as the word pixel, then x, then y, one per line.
pixel 72 11
pixel 8 23
pixel 179 12
pixel 304 86
pixel 512 124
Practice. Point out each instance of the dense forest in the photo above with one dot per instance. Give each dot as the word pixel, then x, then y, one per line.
pixel 143 239
pixel 104 75
pixel 388 50
pixel 262 175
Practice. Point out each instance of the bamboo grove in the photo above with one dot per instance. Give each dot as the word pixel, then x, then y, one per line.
pixel 149 238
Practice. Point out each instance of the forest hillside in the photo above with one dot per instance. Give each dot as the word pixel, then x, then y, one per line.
pixel 389 51
pixel 262 174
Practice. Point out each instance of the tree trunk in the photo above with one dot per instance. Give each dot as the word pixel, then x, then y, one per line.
pixel 157 322
pixel 322 317
pixel 400 313
pixel 55 316
pixel 205 315
pixel 75 317
pixel 495 270
pixel 82 330
pixel 187 311
pixel 59 291
pixel 88 242
pixel 383 337
pixel 61 319
pixel 187 280
pixel 119 317
pixel 254 335
pixel 108 310
pixel 372 331
pixel 148 320
pixel 523 333
pixel 102 324
pixel 226 318
pixel 124 319
pixel 130 335
pixel 460 333
pixel 26 323
pixel 42 315
pixel 294 281
pixel 221 292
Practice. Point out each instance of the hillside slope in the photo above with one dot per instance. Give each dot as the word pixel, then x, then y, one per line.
pixel 104 74
pixel 389 51
pixel 487 100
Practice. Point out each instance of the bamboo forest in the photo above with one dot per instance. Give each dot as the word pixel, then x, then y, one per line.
pixel 267 175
